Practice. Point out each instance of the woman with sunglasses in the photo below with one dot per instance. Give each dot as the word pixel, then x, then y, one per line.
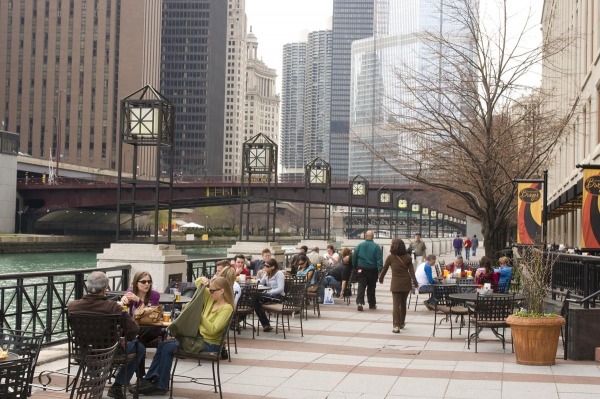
pixel 305 271
pixel 141 293
pixel 217 307
pixel 273 278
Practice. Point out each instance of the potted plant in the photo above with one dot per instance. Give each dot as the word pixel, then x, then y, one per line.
pixel 535 333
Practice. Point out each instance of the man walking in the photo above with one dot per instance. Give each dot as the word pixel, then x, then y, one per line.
pixel 474 245
pixel 457 244
pixel 419 248
pixel 369 260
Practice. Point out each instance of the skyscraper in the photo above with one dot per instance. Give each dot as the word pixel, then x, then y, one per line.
pixel 292 111
pixel 65 66
pixel 395 49
pixel 235 91
pixel 193 70
pixel 317 96
pixel 262 101
pixel 352 20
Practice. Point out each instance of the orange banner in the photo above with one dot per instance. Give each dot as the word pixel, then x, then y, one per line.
pixel 530 207
pixel 590 209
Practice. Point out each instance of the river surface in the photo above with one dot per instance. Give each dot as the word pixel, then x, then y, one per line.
pixel 18 263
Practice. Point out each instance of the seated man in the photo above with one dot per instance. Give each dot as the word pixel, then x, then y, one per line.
pixel 240 265
pixel 457 264
pixel 95 302
pixel 425 278
pixel 334 279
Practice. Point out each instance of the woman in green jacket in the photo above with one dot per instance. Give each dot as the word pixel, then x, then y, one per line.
pixel 217 298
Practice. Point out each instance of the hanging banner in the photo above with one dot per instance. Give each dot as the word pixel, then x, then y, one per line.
pixel 590 209
pixel 530 206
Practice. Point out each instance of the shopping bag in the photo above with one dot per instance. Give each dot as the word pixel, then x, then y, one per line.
pixel 328 297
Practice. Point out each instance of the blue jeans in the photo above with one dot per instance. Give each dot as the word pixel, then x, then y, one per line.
pixel 329 281
pixel 160 368
pixel 126 372
pixel 467 253
pixel 457 251
pixel 474 251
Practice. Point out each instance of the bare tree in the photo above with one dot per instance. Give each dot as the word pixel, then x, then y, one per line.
pixel 468 120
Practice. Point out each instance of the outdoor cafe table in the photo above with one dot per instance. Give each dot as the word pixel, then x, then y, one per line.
pixel 472 296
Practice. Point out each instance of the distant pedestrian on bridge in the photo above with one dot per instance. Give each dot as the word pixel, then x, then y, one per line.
pixel 368 258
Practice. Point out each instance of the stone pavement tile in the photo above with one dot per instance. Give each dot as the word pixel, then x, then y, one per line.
pixel 286 392
pixel 521 369
pixel 464 389
pixel 418 388
pixel 496 367
pixel 335 358
pixel 378 385
pixel 564 389
pixel 520 390
pixel 315 380
pixel 420 364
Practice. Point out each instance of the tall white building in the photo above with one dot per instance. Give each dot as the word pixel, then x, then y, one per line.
pixel 376 61
pixel 317 98
pixel 262 101
pixel 292 112
pixel 235 90
pixel 575 76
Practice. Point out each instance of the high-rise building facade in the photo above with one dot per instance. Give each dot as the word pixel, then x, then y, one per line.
pixel 235 90
pixel 395 48
pixel 66 64
pixel 352 20
pixel 292 112
pixel 193 72
pixel 262 101
pixel 317 97
pixel 573 75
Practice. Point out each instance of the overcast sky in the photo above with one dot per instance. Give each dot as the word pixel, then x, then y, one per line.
pixel 277 22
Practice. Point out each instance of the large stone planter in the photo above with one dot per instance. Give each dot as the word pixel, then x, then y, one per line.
pixel 535 339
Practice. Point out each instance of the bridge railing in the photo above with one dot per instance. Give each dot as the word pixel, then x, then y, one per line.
pixel 38 301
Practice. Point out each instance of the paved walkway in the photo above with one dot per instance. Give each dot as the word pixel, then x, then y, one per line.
pixel 351 354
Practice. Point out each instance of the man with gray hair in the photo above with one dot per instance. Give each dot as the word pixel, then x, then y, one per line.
pixel 96 302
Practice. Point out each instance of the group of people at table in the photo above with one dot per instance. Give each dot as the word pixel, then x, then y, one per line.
pixel 214 301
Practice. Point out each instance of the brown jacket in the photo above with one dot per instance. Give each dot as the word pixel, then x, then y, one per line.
pixel 403 272
pixel 99 304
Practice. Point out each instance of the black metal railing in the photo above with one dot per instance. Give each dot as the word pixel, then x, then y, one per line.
pixel 38 301
pixel 201 267
pixel 576 273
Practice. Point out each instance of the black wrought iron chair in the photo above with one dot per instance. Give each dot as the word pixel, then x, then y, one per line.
pixel 24 344
pixel 292 303
pixel 213 357
pixel 444 305
pixel 14 378
pixel 98 331
pixel 490 311
pixel 245 308
pixel 312 294
pixel 90 380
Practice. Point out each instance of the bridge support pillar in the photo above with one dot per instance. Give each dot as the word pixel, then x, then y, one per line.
pixel 162 261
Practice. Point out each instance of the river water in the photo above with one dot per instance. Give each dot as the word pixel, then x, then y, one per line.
pixel 18 263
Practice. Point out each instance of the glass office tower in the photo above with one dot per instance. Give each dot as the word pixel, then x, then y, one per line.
pixel 352 20
pixel 377 62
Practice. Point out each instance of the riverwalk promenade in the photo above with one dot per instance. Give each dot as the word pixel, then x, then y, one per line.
pixel 350 354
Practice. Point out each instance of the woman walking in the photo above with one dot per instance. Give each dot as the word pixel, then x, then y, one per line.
pixel 403 272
